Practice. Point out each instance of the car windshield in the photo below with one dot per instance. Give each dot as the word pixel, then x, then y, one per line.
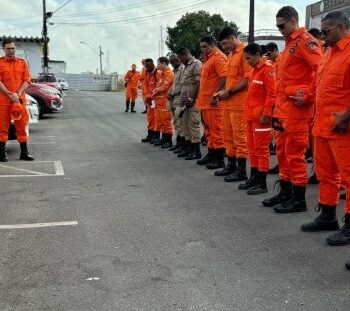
pixel 47 79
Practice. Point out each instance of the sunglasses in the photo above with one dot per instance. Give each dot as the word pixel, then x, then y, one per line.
pixel 281 26
pixel 325 32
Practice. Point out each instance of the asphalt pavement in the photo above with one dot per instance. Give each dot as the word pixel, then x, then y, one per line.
pixel 114 224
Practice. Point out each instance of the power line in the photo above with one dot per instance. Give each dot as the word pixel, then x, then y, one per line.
pixel 62 6
pixel 135 18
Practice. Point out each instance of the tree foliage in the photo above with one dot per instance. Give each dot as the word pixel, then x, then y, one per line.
pixel 191 27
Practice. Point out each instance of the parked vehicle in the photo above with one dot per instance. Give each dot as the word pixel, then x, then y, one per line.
pixel 33 110
pixel 49 79
pixel 63 83
pixel 49 99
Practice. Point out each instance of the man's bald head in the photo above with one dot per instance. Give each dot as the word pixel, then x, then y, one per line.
pixel 175 61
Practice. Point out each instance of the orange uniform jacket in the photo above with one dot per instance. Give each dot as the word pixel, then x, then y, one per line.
pixel 276 62
pixel 237 69
pixel 142 79
pixel 132 77
pixel 165 80
pixel 13 73
pixel 150 82
pixel 296 71
pixel 214 68
pixel 261 95
pixel 332 88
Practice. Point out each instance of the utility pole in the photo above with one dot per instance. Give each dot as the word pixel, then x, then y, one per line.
pixel 101 53
pixel 251 21
pixel 46 16
pixel 161 42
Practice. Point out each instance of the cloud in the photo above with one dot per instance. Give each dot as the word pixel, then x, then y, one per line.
pixel 126 42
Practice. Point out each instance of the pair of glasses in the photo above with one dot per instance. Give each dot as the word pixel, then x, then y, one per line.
pixel 281 26
pixel 325 32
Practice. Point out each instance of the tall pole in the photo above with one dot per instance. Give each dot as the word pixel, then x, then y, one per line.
pixel 101 53
pixel 251 22
pixel 161 41
pixel 44 33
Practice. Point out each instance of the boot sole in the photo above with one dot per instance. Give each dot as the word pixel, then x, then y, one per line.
pixel 257 192
pixel 334 243
pixel 289 211
pixel 335 228
pixel 235 180
pixel 272 205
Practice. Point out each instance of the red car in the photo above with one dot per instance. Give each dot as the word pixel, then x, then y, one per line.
pixel 49 99
pixel 49 79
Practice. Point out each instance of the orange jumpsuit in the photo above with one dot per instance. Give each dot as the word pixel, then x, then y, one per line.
pixel 214 68
pixel 235 126
pixel 261 97
pixel 332 150
pixel 132 78
pixel 141 79
pixel 165 80
pixel 13 73
pixel 296 71
pixel 148 85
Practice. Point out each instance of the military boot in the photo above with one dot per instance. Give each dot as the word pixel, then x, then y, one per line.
pixel 252 181
pixel 3 153
pixel 229 168
pixel 127 105
pixel 218 160
pixel 283 195
pixel 196 154
pixel 347 265
pixel 24 153
pixel 181 145
pixel 274 170
pixel 326 221
pixel 160 141
pixel 133 107
pixel 207 158
pixel 342 236
pixel 168 141
pixel 260 186
pixel 296 204
pixel 185 150
pixel 155 137
pixel 148 137
pixel 177 145
pixel 240 173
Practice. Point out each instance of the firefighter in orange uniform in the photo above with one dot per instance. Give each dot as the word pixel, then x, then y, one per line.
pixel 160 95
pixel 233 97
pixel 294 111
pixel 213 78
pixel 14 80
pixel 331 128
pixel 148 85
pixel 261 97
pixel 141 85
pixel 131 79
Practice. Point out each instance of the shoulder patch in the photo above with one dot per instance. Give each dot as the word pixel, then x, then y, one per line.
pixel 312 44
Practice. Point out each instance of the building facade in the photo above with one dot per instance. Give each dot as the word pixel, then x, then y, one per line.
pixel 315 12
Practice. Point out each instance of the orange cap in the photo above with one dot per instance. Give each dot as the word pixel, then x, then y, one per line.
pixel 16 111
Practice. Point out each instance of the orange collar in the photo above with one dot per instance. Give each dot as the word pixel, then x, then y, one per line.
pixel 212 53
pixel 343 42
pixel 239 48
pixel 296 34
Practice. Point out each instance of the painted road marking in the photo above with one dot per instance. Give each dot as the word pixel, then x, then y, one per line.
pixel 39 225
pixel 59 171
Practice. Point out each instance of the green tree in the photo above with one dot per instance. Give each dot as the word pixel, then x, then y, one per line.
pixel 191 27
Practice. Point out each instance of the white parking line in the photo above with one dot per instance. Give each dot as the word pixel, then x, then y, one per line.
pixel 22 170
pixel 59 171
pixel 39 225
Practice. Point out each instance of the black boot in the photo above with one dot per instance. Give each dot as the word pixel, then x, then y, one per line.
pixel 261 186
pixel 185 150
pixel 207 158
pixel 240 173
pixel 133 107
pixel 190 149
pixel 347 265
pixel 3 153
pixel 168 141
pixel 177 145
pixel 204 141
pixel 145 111
pixel 181 145
pixel 312 180
pixel 148 137
pixel 274 170
pixel 325 221
pixel 155 137
pixel 342 236
pixel 218 160
pixel 196 154
pixel 127 104
pixel 342 196
pixel 252 181
pixel 160 141
pixel 24 153
pixel 229 168
pixel 296 204
pixel 272 148
pixel 284 194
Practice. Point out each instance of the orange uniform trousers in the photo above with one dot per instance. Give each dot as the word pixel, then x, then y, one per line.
pixel 131 93
pixel 235 133
pixel 20 125
pixel 163 116
pixel 151 119
pixel 291 146
pixel 213 120
pixel 258 138
pixel 332 164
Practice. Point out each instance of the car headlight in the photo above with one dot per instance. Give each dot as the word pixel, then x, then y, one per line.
pixel 47 91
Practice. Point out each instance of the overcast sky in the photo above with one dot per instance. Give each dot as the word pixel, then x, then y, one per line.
pixel 127 30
